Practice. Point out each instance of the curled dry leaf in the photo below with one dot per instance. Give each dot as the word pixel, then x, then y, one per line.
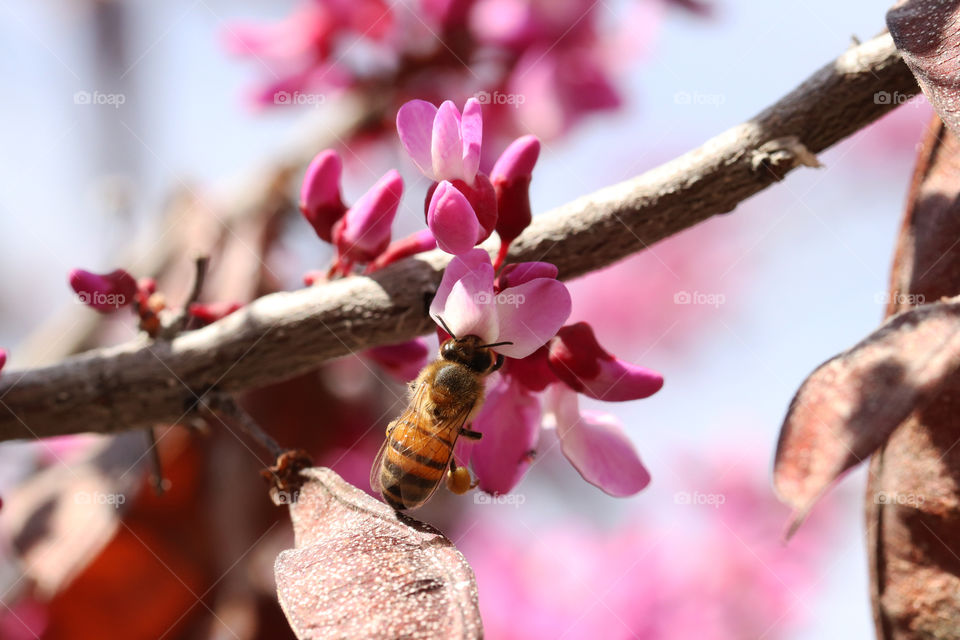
pixel 927 33
pixel 848 407
pixel 360 570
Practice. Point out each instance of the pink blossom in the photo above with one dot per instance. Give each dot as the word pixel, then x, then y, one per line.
pixel 320 201
pixel 441 142
pixel 3 358
pixel 364 232
pixel 105 293
pixel 527 315
pixel 299 50
pixel 594 443
pixel 560 86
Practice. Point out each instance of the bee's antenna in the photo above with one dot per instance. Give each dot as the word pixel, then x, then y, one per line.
pixel 445 327
pixel 495 344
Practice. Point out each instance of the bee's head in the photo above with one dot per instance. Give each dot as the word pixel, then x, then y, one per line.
pixel 471 352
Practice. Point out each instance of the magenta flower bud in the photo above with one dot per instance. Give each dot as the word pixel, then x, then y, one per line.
pixel 364 232
pixel 452 220
pixel 320 201
pixel 105 293
pixel 511 177
pixel 3 358
pixel 210 312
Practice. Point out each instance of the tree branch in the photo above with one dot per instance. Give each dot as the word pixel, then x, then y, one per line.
pixel 281 335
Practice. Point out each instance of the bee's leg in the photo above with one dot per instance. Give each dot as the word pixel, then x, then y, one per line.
pixel 459 480
pixel 470 434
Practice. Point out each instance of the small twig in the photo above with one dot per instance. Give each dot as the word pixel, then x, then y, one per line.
pixel 223 404
pixel 180 319
pixel 284 475
pixel 156 475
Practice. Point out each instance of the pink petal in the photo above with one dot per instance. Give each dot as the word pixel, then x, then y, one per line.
pixel 415 127
pixel 533 372
pixel 597 447
pixel 583 365
pixel 469 310
pixel 105 293
pixel 404 360
pixel 365 233
pixel 474 261
pixel 446 147
pixel 518 273
pixel 452 220
pixel 471 132
pixel 320 201
pixel 530 314
pixel 619 381
pixel 3 358
pixel 510 424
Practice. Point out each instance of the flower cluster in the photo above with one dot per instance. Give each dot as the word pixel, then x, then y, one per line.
pixel 522 305
pixel 545 65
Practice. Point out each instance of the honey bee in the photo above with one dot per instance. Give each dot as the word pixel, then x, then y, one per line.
pixel 418 451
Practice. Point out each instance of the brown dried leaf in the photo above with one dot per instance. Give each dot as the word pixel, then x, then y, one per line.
pixel 360 570
pixel 850 405
pixel 927 33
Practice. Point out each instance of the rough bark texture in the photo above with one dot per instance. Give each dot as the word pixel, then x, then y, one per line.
pixel 284 334
pixel 913 496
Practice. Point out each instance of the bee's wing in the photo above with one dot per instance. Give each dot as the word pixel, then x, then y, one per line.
pixel 423 444
pixel 375 470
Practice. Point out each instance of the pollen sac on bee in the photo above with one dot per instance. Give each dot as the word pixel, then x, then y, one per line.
pixel 459 480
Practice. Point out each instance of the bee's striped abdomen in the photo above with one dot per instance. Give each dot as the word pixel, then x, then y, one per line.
pixel 413 465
